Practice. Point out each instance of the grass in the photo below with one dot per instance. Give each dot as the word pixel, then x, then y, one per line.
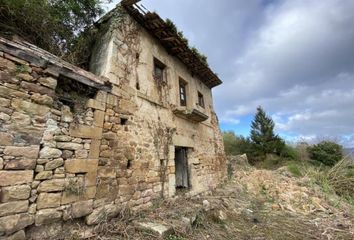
pixel 294 169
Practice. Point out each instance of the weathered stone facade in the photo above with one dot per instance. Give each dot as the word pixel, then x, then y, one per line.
pixel 76 145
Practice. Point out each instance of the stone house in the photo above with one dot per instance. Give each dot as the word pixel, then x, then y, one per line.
pixel 77 144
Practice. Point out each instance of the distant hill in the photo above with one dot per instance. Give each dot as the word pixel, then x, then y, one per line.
pixel 349 151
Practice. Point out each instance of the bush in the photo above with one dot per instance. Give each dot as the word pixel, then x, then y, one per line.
pixel 341 177
pixel 326 152
pixel 290 153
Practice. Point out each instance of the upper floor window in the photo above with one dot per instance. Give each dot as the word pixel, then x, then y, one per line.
pixel 159 70
pixel 182 92
pixel 201 100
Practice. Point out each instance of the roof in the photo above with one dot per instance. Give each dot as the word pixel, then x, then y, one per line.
pixel 54 65
pixel 173 43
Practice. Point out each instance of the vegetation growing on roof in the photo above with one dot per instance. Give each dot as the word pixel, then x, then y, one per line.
pixel 180 34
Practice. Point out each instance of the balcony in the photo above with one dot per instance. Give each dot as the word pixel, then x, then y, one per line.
pixel 193 114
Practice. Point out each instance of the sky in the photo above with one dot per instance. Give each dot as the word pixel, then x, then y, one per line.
pixel 295 58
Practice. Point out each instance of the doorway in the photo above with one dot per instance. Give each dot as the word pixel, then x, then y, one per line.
pixel 181 168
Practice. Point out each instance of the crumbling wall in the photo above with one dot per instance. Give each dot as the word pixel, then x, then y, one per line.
pixel 67 151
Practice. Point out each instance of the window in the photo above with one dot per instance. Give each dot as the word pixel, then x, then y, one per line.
pixel 201 100
pixel 182 92
pixel 159 70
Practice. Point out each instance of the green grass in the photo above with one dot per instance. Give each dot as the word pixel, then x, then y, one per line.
pixel 295 169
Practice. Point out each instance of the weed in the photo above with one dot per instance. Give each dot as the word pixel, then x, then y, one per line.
pixel 21 68
pixel 294 169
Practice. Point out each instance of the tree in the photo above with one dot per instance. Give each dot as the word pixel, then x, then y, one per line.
pixel 262 135
pixel 53 25
pixel 326 152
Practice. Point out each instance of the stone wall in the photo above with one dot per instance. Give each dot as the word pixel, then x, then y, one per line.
pixel 75 145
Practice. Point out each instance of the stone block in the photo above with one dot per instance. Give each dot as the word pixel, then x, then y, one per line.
pixel 29 107
pixel 22 164
pixel 95 149
pixel 8 178
pixel 48 152
pixel 88 166
pixel 102 214
pixel 1 163
pixel 42 99
pixel 157 228
pixel 112 100
pixel 106 172
pixel 53 185
pixel 98 117
pixel 13 193
pixel 20 235
pixel 101 96
pixel 32 87
pixel 13 207
pixel 27 152
pixel 91 103
pixel 81 209
pixel 127 107
pixel 83 131
pixel 48 200
pixel 11 93
pixel 14 223
pixel 47 231
pixel 51 165
pixel 44 175
pixel 69 146
pixel 81 153
pixel 4 117
pixel 48 82
pixel 47 216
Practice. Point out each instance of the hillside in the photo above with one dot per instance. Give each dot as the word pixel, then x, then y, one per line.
pixel 254 204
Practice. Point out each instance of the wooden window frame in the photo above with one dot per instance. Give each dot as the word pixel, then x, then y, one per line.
pixel 162 67
pixel 182 88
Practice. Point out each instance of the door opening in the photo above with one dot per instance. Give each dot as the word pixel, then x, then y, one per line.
pixel 181 166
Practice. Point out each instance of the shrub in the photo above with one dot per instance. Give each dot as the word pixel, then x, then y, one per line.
pixel 341 177
pixel 326 152
pixel 290 153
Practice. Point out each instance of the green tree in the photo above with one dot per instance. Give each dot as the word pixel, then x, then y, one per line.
pixel 262 135
pixel 326 152
pixel 53 25
pixel 235 145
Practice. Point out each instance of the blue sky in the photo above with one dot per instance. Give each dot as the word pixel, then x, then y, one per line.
pixel 293 57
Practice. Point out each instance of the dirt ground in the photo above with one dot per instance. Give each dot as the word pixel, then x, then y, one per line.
pixel 254 204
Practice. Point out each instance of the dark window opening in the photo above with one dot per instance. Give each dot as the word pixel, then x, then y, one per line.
pixel 159 70
pixel 123 121
pixel 201 100
pixel 182 92
pixel 73 94
pixel 129 164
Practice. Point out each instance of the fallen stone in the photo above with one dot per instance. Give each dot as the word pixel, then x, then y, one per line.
pixel 102 214
pixel 8 178
pixel 20 192
pixel 13 207
pixel 47 216
pixel 14 223
pixel 158 228
pixel 206 205
pixel 81 209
